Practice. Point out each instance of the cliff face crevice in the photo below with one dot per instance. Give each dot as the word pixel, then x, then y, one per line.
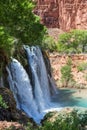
pixel 63 14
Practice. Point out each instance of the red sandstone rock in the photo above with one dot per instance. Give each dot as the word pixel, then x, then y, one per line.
pixel 63 14
pixel 57 61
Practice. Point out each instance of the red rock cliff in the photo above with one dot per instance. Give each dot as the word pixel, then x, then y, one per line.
pixel 64 14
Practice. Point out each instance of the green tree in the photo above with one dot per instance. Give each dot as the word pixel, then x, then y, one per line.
pixel 20 22
pixel 66 73
pixel 74 41
pixel 6 40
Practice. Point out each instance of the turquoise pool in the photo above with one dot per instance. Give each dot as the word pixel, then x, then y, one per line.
pixel 71 98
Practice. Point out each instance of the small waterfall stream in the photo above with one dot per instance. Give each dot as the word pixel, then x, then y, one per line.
pixel 33 100
pixel 35 59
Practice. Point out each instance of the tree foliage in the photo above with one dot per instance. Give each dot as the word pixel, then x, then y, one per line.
pixel 6 40
pixel 74 41
pixel 18 23
pixel 66 73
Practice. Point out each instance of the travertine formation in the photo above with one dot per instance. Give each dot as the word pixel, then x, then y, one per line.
pixel 64 14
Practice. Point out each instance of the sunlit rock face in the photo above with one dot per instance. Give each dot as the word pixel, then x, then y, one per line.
pixel 73 14
pixel 64 14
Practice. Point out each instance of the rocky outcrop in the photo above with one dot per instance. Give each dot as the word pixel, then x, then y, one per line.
pixel 11 113
pixel 63 14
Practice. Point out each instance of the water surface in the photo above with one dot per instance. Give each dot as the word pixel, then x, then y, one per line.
pixel 71 98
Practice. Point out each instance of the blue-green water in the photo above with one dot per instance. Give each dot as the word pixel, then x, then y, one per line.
pixel 66 98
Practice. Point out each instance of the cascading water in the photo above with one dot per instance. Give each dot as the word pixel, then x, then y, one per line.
pixel 20 85
pixel 35 60
pixel 53 85
pixel 36 99
pixel 35 69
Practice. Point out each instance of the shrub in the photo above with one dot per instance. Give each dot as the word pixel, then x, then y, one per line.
pixel 2 103
pixel 82 66
pixel 49 44
pixel 69 121
pixel 74 41
pixel 74 120
pixel 82 117
pixel 66 73
pixel 69 62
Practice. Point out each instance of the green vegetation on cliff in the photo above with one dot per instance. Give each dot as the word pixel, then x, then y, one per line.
pixel 74 41
pixel 6 40
pixel 73 120
pixel 18 24
pixel 2 103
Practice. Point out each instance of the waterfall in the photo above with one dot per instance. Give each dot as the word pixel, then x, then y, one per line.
pixel 52 85
pixel 20 85
pixel 36 62
pixel 32 96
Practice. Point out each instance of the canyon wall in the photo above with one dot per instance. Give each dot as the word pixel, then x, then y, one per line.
pixel 77 61
pixel 63 14
pixel 48 11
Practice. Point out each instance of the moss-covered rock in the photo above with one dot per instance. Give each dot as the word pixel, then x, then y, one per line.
pixel 11 113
